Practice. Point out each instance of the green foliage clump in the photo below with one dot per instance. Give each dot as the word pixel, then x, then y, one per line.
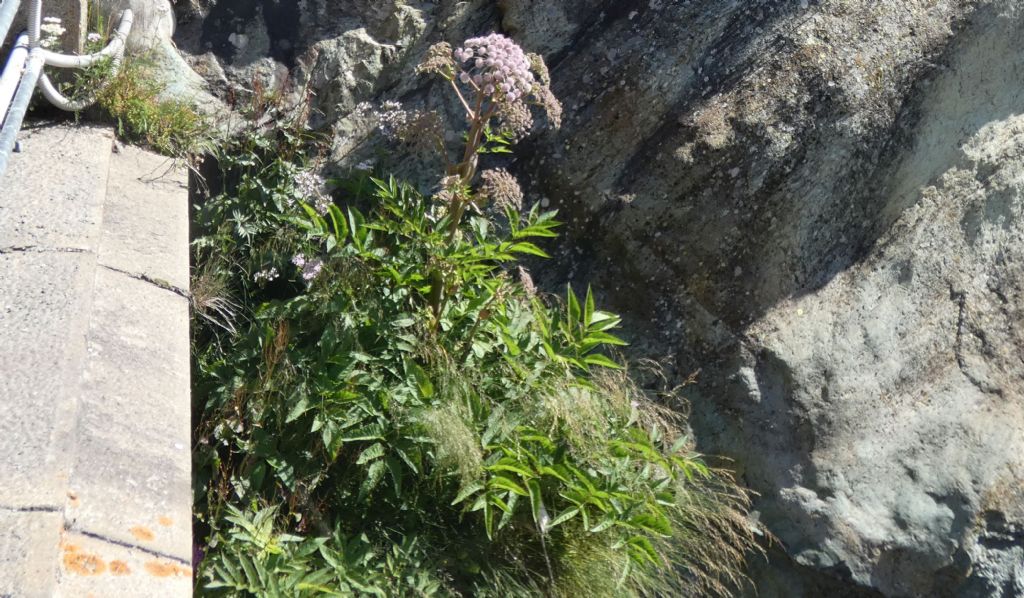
pixel 385 407
pixel 132 95
pixel 134 99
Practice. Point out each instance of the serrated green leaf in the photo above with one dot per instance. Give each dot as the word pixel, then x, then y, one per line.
pixel 466 492
pixel 374 451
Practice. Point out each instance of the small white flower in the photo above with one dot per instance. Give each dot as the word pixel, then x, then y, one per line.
pixel 266 275
pixel 313 189
pixel 545 520
pixel 93 37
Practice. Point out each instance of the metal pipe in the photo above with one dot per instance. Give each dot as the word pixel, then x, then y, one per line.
pixel 9 132
pixel 62 102
pixel 8 9
pixel 12 74
pixel 115 47
pixel 116 51
pixel 35 21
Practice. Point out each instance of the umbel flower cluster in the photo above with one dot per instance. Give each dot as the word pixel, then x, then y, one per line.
pixel 313 189
pixel 52 31
pixel 503 80
pixel 494 80
pixel 495 65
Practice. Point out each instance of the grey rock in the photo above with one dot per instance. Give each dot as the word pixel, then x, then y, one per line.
pixel 151 38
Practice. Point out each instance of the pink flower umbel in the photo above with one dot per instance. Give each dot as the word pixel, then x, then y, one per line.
pixel 310 267
pixel 495 65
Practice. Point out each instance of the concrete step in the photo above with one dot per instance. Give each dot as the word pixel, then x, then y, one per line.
pixel 95 491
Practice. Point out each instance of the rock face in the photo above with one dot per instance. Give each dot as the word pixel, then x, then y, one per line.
pixel 152 29
pixel 818 204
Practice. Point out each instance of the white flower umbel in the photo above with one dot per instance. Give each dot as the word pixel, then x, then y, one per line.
pixel 52 31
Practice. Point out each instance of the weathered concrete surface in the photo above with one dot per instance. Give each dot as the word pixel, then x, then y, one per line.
pixel 94 567
pixel 131 466
pixel 38 216
pixel 145 223
pixel 28 551
pixel 42 351
pixel 94 370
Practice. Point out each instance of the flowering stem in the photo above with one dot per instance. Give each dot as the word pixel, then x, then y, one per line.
pixel 467 168
pixel 462 99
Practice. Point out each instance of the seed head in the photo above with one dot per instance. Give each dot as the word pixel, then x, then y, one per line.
pixel 516 120
pixel 527 281
pixel 438 60
pixel 499 186
pixel 552 107
pixel 540 68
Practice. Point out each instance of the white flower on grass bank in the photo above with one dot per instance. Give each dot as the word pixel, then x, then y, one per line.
pixel 266 275
pixel 312 188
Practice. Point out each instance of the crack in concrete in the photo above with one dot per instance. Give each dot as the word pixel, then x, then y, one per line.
pixel 40 249
pixel 157 282
pixel 32 509
pixel 130 545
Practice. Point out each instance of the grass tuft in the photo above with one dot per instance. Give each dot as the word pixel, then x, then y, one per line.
pixel 134 99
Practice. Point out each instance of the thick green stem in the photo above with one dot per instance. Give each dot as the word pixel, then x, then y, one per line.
pixel 466 169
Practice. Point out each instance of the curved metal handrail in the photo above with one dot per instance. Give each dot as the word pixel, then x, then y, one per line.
pixel 24 70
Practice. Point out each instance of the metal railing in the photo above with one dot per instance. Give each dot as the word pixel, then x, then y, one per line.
pixel 24 70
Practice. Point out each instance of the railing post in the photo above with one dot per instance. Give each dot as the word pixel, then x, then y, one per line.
pixel 19 106
pixel 8 12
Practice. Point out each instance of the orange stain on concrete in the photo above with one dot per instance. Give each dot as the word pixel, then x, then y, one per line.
pixel 83 563
pixel 142 533
pixel 164 569
pixel 119 568
pixel 165 521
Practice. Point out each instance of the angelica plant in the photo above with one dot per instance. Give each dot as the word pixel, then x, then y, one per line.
pixel 398 410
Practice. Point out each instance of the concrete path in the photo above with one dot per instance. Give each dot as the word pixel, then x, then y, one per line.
pixel 95 492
